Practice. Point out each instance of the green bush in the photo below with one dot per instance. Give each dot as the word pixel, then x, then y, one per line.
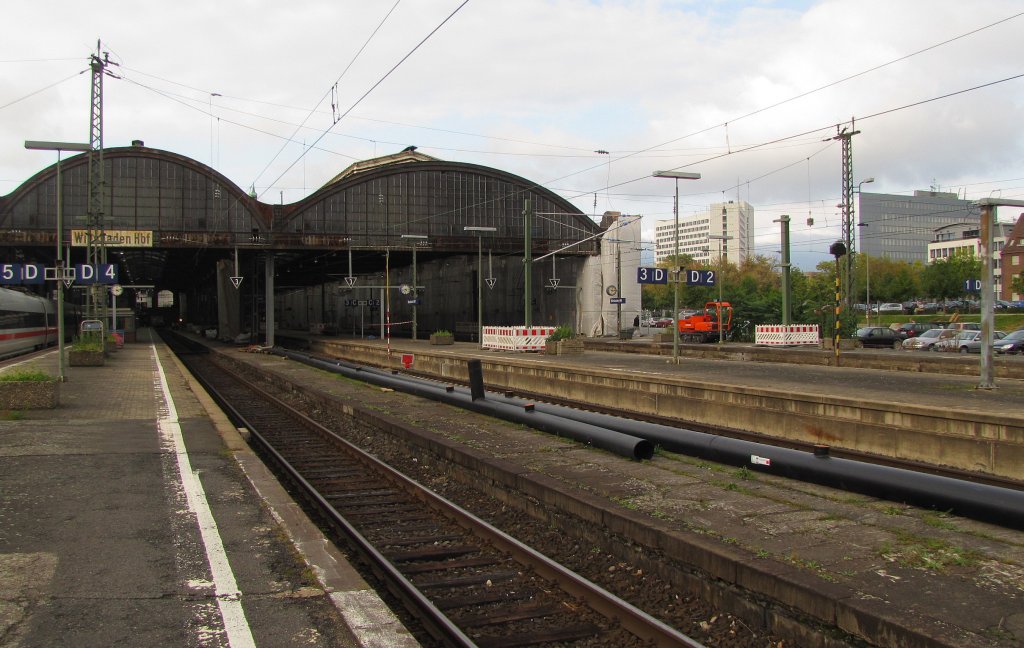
pixel 561 333
pixel 25 375
pixel 443 332
pixel 91 343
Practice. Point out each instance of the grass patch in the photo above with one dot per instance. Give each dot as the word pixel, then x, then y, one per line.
pixel 12 415
pixel 25 375
pixel 928 553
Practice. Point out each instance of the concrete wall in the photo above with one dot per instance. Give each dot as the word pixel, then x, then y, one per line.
pixel 973 441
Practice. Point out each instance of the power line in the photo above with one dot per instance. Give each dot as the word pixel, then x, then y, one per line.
pixel 374 86
pixel 329 92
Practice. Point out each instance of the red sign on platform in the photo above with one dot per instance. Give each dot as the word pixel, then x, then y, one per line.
pixel 407 360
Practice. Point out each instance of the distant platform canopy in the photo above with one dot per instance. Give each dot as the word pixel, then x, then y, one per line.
pixel 178 208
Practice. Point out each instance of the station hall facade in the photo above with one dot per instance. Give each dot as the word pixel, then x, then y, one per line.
pixel 405 240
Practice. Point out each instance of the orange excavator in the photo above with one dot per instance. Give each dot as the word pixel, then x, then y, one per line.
pixel 704 327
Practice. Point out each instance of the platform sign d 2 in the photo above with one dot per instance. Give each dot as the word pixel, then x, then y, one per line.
pixel 972 285
pixel 651 275
pixel 700 277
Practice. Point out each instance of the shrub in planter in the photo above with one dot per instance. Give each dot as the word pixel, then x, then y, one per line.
pixel 28 389
pixel 86 352
pixel 442 337
pixel 563 341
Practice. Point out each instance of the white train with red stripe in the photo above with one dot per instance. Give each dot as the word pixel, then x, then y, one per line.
pixel 27 322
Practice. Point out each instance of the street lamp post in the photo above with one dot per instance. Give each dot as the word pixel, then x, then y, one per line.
pixel 59 146
pixel 988 221
pixel 416 239
pixel 677 176
pixel 721 238
pixel 867 261
pixel 479 278
pixel 867 275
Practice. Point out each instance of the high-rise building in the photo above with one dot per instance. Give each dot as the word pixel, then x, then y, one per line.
pixel 731 219
pixel 901 227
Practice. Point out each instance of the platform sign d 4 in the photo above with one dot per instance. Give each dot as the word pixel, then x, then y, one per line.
pixel 101 273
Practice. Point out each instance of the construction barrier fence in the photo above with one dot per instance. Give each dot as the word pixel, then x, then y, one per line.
pixel 779 335
pixel 516 338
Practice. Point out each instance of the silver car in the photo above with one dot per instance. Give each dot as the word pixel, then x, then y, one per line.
pixel 928 339
pixel 968 341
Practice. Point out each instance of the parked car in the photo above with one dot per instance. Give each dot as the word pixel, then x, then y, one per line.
pixel 913 329
pixel 966 342
pixel 1012 343
pixel 964 326
pixel 927 340
pixel 878 336
pixel 890 307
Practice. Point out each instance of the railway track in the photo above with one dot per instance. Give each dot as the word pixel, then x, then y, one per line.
pixel 467 582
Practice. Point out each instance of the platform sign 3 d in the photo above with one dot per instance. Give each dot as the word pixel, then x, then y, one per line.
pixel 652 275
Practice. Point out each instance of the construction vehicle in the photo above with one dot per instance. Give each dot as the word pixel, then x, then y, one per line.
pixel 704 326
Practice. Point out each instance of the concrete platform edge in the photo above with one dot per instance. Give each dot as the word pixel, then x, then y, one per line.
pixel 369 621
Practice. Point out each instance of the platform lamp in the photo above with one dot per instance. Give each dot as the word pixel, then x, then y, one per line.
pixel 59 146
pixel 677 176
pixel 867 258
pixel 479 277
pixel 415 240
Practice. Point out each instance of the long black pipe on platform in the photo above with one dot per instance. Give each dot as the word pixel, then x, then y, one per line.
pixel 994 504
pixel 1003 506
pixel 618 442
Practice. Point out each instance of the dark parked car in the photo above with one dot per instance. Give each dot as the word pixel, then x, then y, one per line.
pixel 1012 343
pixel 878 336
pixel 913 329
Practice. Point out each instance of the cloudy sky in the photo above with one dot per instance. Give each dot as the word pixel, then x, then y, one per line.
pixel 745 92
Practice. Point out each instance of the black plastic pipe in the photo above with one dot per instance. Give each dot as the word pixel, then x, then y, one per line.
pixel 620 443
pixel 1004 506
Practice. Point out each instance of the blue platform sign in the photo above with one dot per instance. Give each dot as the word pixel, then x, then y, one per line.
pixel 700 277
pixel 651 275
pixel 101 273
pixel 21 273
pixel 617 300
pixel 972 285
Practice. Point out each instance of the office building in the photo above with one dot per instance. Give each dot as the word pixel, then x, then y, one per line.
pixel 731 219
pixel 901 227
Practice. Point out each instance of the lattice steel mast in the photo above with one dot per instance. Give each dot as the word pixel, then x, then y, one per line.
pixel 96 251
pixel 846 206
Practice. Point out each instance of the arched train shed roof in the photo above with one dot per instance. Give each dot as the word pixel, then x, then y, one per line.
pixel 187 204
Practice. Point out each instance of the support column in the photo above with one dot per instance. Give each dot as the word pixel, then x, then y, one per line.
pixel 268 296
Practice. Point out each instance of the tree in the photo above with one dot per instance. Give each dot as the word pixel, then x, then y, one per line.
pixel 944 278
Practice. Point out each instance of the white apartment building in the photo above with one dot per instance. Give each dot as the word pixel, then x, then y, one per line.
pixel 732 219
pixel 951 239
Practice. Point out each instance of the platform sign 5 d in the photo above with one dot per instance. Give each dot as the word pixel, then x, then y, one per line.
pixel 21 273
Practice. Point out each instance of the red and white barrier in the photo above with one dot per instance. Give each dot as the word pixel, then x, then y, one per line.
pixel 779 335
pixel 516 338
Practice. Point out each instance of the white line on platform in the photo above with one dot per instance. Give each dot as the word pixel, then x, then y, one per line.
pixel 229 598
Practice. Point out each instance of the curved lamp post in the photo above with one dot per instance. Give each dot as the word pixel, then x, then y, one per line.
pixel 59 146
pixel 677 176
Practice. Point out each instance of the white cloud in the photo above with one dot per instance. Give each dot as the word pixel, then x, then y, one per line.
pixel 564 77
